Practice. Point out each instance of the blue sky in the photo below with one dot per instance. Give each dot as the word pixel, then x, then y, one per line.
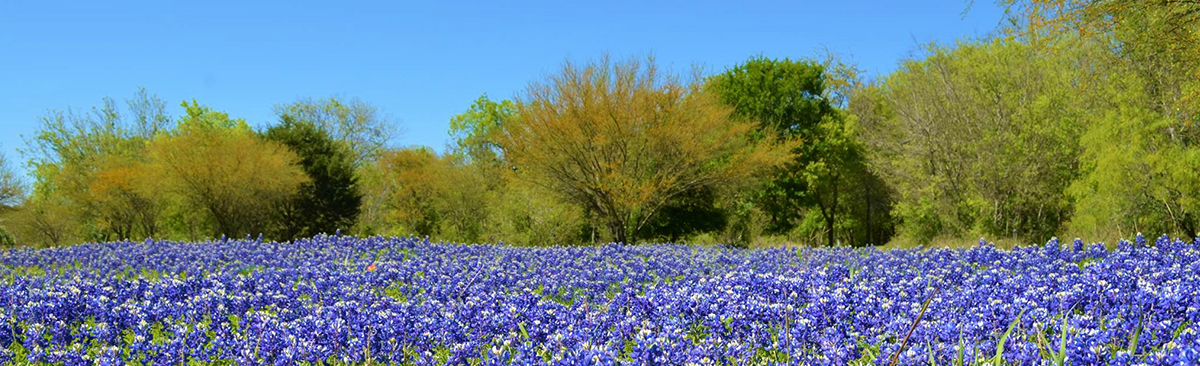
pixel 420 62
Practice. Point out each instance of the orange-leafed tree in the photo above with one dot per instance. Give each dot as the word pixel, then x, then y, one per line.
pixel 120 197
pixel 623 138
pixel 220 167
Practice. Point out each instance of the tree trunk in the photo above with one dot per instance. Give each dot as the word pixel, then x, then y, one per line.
pixel 829 229
pixel 870 234
pixel 618 230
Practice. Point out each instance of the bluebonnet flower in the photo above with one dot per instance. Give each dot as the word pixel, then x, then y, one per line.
pixel 409 300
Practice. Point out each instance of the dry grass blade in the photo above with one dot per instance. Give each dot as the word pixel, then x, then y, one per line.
pixel 921 314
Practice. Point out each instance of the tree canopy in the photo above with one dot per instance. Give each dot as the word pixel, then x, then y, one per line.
pixel 1077 118
pixel 621 139
pixel 329 200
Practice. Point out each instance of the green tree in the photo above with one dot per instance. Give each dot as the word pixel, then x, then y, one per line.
pixel 622 139
pixel 689 213
pixel 329 200
pixel 6 239
pixel 790 99
pixel 476 131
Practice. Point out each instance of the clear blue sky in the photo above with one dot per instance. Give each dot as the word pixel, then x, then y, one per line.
pixel 420 62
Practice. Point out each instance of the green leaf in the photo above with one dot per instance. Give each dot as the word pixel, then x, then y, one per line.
pixel 1061 357
pixel 1133 340
pixel 1004 337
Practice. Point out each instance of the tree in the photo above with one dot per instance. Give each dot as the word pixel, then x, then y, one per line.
pixel 475 132
pixel 524 213
pixel 622 139
pixel 1143 96
pixel 789 98
pixel 978 139
pixel 6 239
pixel 90 160
pixel 45 221
pixel 689 213
pixel 329 200
pixel 11 194
pixel 217 166
pixel 1158 39
pixel 11 189
pixel 433 195
pixel 120 195
pixel 514 211
pixel 1134 179
pixel 359 125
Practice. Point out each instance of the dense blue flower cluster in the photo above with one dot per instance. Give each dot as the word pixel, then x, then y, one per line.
pixel 345 300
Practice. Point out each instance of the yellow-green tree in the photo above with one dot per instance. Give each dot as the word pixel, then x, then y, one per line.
pixel 433 195
pixel 1139 151
pixel 515 211
pixel 523 213
pixel 216 168
pixel 43 221
pixel 623 138
pixel 89 161
pixel 977 139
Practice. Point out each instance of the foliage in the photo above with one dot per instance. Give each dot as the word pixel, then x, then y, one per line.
pixel 216 167
pixel 1134 176
pixel 621 140
pixel 372 216
pixel 690 212
pixel 44 221
pixel 792 100
pixel 785 98
pixel 433 195
pixel 6 239
pixel 1080 117
pixel 475 132
pixel 12 192
pixel 329 201
pixel 89 161
pixel 1158 40
pixel 356 123
pixel 11 188
pixel 982 138
pixel 523 213
pixel 1144 97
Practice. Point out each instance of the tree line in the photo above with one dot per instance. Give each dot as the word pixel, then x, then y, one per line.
pixel 1078 118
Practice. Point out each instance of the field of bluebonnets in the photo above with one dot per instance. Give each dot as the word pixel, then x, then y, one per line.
pixel 345 300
